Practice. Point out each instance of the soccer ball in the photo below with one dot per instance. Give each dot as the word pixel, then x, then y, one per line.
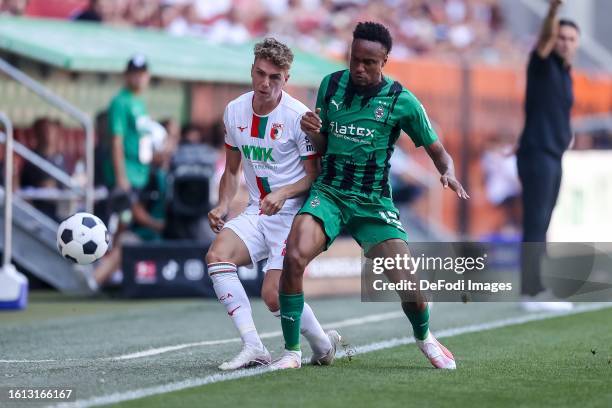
pixel 82 238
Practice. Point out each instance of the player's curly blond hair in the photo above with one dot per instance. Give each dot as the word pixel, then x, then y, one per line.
pixel 274 51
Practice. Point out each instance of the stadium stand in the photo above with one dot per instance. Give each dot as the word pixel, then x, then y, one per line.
pixel 445 28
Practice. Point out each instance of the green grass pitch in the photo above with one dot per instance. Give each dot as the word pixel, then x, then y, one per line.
pixel 97 349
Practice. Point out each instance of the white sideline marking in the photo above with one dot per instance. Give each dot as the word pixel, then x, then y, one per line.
pixel 196 382
pixel 342 323
pixel 28 361
pixel 161 350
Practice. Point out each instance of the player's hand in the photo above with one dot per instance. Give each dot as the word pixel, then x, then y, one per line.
pixel 311 122
pixel 448 180
pixel 216 218
pixel 272 203
pixel 556 3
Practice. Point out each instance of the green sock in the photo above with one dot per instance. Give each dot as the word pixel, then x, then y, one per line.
pixel 291 307
pixel 419 320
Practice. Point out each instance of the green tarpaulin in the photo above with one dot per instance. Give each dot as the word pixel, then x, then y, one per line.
pixel 102 48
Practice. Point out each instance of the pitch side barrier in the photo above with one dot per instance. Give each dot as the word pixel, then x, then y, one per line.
pixel 176 269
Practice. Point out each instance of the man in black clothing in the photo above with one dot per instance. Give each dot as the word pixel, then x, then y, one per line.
pixel 546 136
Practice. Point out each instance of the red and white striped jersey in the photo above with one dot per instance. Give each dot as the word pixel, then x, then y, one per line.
pixel 272 147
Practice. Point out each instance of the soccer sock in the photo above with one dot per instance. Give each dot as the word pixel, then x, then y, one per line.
pixel 312 330
pixel 231 293
pixel 419 320
pixel 291 307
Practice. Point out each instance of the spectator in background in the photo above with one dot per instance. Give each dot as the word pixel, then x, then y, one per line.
pixel 13 7
pixel 447 28
pixel 126 170
pixel 502 185
pixel 406 187
pixel 131 146
pixel 230 29
pixel 192 172
pixel 191 134
pixel 169 11
pixel 95 11
pixel 141 13
pixel 148 209
pixel 182 19
pixel 46 144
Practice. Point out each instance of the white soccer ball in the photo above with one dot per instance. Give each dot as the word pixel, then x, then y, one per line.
pixel 82 238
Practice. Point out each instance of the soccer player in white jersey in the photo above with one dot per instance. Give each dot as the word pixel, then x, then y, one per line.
pixel 262 131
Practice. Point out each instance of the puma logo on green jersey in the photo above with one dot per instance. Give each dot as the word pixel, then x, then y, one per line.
pixel 336 104
pixel 257 153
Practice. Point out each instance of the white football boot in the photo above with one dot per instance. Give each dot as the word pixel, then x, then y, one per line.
pixel 289 359
pixel 329 356
pixel 249 356
pixel 545 302
pixel 438 355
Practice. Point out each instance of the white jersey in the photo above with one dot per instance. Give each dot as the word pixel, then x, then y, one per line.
pixel 272 147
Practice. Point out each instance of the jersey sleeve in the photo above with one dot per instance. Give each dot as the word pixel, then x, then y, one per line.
pixel 415 122
pixel 117 118
pixel 228 129
pixel 305 147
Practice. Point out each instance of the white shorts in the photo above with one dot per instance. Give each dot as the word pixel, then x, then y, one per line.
pixel 264 236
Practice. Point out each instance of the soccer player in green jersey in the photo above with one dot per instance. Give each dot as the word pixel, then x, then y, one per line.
pixel 358 118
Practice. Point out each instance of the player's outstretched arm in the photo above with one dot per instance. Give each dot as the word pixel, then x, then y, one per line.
pixel 274 201
pixel 550 28
pixel 228 187
pixel 444 164
pixel 311 124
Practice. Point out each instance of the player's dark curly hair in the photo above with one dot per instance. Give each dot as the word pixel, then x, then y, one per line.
pixel 371 31
pixel 274 51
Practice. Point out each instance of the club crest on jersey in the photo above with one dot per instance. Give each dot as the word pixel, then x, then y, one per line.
pixel 276 131
pixel 242 128
pixel 379 112
pixel 315 202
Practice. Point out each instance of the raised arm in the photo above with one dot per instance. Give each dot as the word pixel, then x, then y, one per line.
pixel 549 31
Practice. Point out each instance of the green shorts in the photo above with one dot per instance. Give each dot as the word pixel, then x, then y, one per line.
pixel 370 220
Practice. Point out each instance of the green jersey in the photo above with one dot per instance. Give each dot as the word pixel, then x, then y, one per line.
pixel 128 119
pixel 361 130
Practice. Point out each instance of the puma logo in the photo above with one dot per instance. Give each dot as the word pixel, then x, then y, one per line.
pixel 242 128
pixel 336 104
